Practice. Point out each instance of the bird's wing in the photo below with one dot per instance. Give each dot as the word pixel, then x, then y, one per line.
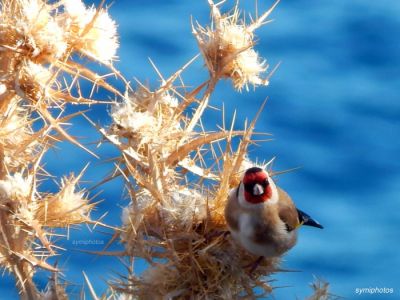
pixel 287 211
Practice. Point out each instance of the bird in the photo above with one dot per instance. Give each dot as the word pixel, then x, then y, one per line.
pixel 262 218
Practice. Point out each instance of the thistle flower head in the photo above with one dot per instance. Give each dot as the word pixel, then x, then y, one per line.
pixel 130 121
pixel 133 214
pixel 184 208
pixel 143 100
pixel 35 30
pixel 133 222
pixel 16 200
pixel 15 188
pixel 24 215
pixel 94 33
pixel 65 208
pixel 147 118
pixel 228 48
pixel 34 82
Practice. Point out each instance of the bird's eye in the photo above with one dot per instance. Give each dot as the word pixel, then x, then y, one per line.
pixel 248 187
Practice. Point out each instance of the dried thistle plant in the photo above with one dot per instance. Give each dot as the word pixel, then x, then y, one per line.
pixel 178 175
pixel 178 226
pixel 175 222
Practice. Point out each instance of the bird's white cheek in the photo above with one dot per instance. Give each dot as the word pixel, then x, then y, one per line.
pixel 275 196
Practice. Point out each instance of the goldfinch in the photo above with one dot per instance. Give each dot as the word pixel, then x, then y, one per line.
pixel 261 217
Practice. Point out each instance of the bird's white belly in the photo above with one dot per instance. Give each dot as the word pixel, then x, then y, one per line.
pixel 245 236
pixel 254 248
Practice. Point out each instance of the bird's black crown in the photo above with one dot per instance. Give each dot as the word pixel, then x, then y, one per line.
pixel 253 170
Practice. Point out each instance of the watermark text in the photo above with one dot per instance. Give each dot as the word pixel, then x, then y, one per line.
pixel 88 242
pixel 374 290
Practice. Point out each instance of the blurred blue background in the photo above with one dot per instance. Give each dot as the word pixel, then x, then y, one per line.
pixel 333 109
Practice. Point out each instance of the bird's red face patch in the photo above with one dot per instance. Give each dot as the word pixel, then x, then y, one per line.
pixel 256 184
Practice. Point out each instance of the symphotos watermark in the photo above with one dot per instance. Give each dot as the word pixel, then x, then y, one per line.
pixel 374 290
pixel 88 242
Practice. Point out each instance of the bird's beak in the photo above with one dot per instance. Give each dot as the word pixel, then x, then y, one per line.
pixel 307 220
pixel 258 190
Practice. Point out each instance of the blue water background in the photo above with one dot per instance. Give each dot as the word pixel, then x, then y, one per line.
pixel 333 110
